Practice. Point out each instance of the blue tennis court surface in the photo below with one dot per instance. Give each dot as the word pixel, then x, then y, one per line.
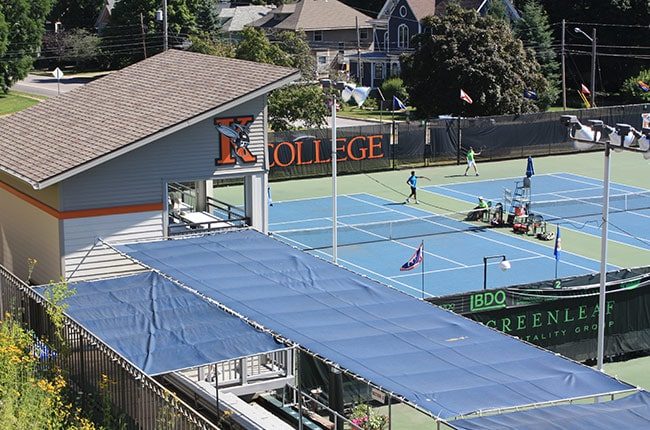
pixel 575 201
pixel 376 236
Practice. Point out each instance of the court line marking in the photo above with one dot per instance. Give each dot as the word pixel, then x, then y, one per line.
pixel 426 272
pixel 614 187
pixel 325 218
pixel 502 243
pixel 320 251
pixel 601 207
pixel 486 180
pixel 600 181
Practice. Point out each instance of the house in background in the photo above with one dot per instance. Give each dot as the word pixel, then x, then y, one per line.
pixel 395 25
pixel 334 30
pixel 104 15
pixel 234 19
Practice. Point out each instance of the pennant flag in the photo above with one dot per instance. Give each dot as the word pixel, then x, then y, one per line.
pixel 413 261
pixel 558 244
pixel 398 104
pixel 644 87
pixel 584 89
pixel 464 96
pixel 530 94
pixel 360 94
pixel 346 94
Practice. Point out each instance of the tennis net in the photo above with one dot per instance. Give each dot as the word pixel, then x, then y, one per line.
pixel 354 234
pixel 590 206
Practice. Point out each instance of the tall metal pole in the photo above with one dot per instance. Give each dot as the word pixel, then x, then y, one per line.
pixel 563 67
pixel 593 68
pixel 485 273
pixel 603 260
pixel 356 21
pixel 165 47
pixel 334 232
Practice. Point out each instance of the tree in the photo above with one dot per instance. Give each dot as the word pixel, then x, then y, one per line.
pixel 287 106
pixel 498 10
pixel 26 18
pixel 75 14
pixel 394 87
pixel 478 54
pixel 535 32
pixel 636 87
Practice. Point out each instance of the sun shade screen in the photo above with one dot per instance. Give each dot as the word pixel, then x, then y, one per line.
pixel 632 412
pixel 438 360
pixel 158 326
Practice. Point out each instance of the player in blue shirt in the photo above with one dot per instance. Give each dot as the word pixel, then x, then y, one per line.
pixel 412 181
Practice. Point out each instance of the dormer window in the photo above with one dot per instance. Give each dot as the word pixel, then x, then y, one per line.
pixel 403 36
pixel 318 36
pixel 402 11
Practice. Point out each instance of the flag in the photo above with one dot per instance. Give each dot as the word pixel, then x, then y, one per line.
pixel 398 104
pixel 531 94
pixel 644 87
pixel 584 89
pixel 414 261
pixel 558 244
pixel 464 96
pixel 584 100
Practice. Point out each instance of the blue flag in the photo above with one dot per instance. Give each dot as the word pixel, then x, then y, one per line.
pixel 414 261
pixel 397 104
pixel 558 244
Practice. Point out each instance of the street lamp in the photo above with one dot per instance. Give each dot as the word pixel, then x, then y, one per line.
pixel 593 62
pixel 619 138
pixel 503 265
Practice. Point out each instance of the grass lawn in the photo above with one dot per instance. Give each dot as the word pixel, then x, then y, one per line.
pixel 15 101
pixel 368 114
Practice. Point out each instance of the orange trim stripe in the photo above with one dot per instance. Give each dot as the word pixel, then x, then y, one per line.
pixel 83 213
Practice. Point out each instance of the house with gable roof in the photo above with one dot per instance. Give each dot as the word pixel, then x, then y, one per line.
pixel 135 155
pixel 396 24
pixel 334 30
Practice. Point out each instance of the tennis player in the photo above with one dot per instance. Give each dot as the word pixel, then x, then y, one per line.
pixel 412 182
pixel 471 162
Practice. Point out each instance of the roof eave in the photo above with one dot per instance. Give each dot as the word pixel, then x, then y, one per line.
pixel 160 134
pixel 17 175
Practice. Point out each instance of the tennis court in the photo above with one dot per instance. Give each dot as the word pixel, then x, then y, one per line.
pixel 573 201
pixel 377 235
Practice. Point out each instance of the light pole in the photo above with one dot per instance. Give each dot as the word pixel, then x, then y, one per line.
pixel 593 62
pixel 161 15
pixel 503 265
pixel 629 139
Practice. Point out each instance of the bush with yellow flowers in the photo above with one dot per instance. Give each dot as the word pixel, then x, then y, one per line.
pixel 31 395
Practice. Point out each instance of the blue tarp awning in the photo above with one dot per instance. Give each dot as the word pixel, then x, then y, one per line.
pixel 160 327
pixel 437 360
pixel 632 412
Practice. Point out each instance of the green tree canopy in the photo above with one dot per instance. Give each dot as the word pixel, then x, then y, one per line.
pixel 633 87
pixel 478 54
pixel 292 104
pixel 26 19
pixel 535 32
pixel 76 13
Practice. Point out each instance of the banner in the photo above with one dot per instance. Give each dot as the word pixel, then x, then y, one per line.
pixel 563 316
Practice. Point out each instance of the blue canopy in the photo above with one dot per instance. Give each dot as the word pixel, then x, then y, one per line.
pixel 160 327
pixel 632 412
pixel 437 360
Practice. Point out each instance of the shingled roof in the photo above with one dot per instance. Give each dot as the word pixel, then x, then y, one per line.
pixel 310 15
pixel 64 135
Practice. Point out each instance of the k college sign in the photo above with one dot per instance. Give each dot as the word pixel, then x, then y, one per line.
pixel 234 140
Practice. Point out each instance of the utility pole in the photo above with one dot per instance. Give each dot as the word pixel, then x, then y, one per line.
pixel 356 21
pixel 563 67
pixel 144 43
pixel 165 47
pixel 593 68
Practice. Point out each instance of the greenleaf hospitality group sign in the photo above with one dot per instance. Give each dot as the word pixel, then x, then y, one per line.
pixel 311 154
pixel 564 319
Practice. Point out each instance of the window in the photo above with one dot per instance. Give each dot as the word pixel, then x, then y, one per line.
pixel 318 36
pixel 402 11
pixel 403 36
pixel 363 34
pixel 322 59
pixel 341 47
pixel 379 70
